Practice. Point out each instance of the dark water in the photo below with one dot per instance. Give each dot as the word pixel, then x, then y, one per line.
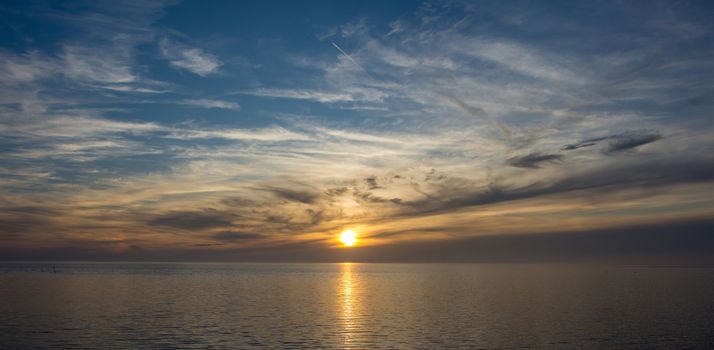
pixel 229 306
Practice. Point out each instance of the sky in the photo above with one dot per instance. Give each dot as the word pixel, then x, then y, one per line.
pixel 437 131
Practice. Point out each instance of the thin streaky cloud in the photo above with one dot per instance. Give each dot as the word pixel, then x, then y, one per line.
pixel 211 103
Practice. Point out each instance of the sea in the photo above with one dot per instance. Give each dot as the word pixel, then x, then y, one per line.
pixel 62 305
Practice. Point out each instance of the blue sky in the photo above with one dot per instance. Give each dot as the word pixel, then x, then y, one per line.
pixel 237 128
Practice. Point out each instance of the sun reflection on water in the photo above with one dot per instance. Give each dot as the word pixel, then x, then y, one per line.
pixel 349 303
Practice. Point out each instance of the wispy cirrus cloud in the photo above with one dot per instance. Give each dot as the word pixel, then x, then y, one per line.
pixel 211 103
pixel 72 126
pixel 300 94
pixel 27 67
pixel 518 58
pixel 350 94
pixel 97 65
pixel 274 134
pixel 191 59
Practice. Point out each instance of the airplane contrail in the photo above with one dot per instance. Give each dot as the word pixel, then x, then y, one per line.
pixel 349 57
pixel 480 113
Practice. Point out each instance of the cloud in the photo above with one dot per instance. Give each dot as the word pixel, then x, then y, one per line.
pixel 613 178
pixel 533 160
pixel 97 65
pixel 133 88
pixel 353 28
pixel 475 111
pixel 32 210
pixel 273 134
pixel 581 144
pixel 239 202
pixel 302 196
pixel 396 27
pixel 630 140
pixel 23 225
pixel 84 138
pixel 319 96
pixel 25 68
pixel 336 192
pixel 93 51
pixel 316 216
pixel 86 67
pixel 233 236
pixel 371 198
pixel 348 56
pixel 26 219
pixel 208 103
pixel 395 58
pixel 71 126
pixel 194 60
pixel 194 220
pixel 372 183
pixel 480 113
pixel 359 136
pixel 83 150
pixel 518 57
pixel 618 142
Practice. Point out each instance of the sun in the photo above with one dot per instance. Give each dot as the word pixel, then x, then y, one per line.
pixel 348 238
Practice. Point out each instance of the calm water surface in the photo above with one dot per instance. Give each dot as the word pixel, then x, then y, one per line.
pixel 229 306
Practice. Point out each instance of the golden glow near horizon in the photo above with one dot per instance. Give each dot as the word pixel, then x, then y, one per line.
pixel 348 238
pixel 348 298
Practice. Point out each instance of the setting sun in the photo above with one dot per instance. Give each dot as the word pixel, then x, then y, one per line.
pixel 348 238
